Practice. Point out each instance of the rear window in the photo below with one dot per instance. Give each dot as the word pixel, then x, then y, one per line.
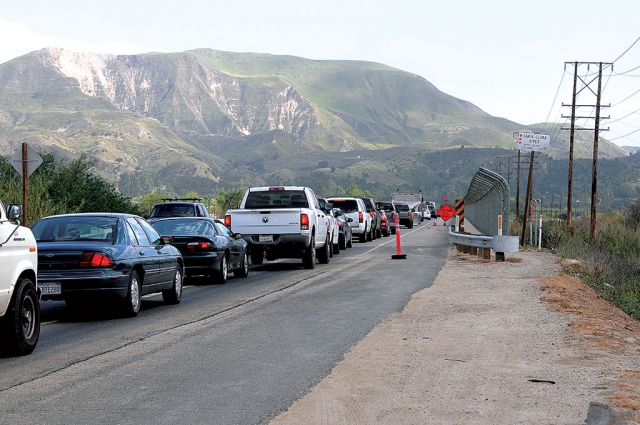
pixel 173 210
pixel 276 199
pixel 402 207
pixel 75 228
pixel 346 205
pixel 385 206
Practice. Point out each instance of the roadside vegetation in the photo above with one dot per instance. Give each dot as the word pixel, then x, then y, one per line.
pixel 610 262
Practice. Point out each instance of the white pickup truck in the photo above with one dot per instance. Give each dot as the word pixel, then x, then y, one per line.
pixel 19 297
pixel 282 222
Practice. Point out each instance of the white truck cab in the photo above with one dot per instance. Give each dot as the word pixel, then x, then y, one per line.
pixel 19 297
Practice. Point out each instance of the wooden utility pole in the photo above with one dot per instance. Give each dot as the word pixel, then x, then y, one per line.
pixel 24 184
pixel 527 199
pixel 596 130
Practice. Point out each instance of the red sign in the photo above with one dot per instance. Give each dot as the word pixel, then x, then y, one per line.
pixel 446 212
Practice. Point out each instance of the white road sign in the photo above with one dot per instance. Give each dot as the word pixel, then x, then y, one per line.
pixel 533 142
pixel 33 161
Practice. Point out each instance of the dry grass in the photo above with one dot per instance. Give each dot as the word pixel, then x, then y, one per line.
pixel 597 324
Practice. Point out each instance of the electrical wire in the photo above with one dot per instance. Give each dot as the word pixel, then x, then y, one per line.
pixel 625 52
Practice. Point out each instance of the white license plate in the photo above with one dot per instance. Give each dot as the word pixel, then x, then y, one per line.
pixel 265 238
pixel 50 288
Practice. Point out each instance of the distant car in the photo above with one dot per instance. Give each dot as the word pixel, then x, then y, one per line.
pixel 376 217
pixel 207 246
pixel 432 209
pixel 426 212
pixel 327 207
pixel 96 256
pixel 345 235
pixel 405 215
pixel 388 208
pixel 177 207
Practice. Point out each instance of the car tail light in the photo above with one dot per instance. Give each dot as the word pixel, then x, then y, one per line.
pixel 360 217
pixel 198 246
pixel 340 223
pixel 371 214
pixel 409 214
pixel 276 188
pixel 304 222
pixel 227 221
pixel 384 218
pixel 95 259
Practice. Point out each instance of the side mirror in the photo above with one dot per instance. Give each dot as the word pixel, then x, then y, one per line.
pixel 14 211
pixel 166 240
pixel 238 235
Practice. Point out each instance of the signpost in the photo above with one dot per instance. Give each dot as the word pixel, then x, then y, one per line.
pixel 25 161
pixel 533 142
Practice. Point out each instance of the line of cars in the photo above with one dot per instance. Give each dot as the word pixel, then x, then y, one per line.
pixel 114 259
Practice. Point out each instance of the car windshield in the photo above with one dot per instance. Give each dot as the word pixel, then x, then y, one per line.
pixel 346 205
pixel 276 199
pixel 183 227
pixel 75 228
pixel 173 210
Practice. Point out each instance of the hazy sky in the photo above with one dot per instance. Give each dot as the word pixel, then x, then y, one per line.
pixel 506 57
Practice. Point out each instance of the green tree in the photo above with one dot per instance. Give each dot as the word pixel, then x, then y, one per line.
pixel 148 200
pixel 355 191
pixel 228 200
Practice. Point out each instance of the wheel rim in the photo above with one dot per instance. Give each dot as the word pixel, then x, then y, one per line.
pixel 28 315
pixel 177 282
pixel 224 268
pixel 135 294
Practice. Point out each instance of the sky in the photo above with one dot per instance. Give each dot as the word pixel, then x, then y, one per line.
pixel 506 57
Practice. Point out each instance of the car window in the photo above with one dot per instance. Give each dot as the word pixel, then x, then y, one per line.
pixel 75 228
pixel 185 227
pixel 173 210
pixel 224 230
pixel 141 236
pixel 276 199
pixel 132 235
pixel 346 205
pixel 152 233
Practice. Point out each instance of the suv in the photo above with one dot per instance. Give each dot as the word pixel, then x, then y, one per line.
pixel 355 209
pixel 19 294
pixel 177 207
pixel 376 216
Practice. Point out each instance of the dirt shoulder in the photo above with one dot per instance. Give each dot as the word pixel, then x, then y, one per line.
pixel 514 342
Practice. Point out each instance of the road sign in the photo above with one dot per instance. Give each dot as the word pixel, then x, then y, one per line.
pixel 446 212
pixel 33 161
pixel 533 142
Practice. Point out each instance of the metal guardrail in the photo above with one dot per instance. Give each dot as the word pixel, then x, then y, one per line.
pixel 500 244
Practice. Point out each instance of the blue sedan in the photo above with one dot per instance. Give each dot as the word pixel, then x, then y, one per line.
pixel 208 247
pixel 93 256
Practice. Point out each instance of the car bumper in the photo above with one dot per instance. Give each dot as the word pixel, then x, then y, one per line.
pixel 84 283
pixel 200 264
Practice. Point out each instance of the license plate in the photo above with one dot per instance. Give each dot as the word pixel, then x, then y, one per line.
pixel 265 238
pixel 50 288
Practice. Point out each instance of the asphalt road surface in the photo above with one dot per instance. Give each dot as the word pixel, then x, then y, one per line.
pixel 239 353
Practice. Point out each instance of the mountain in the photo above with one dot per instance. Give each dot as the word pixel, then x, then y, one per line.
pixel 205 119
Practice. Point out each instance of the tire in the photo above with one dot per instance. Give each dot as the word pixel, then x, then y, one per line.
pixel 336 246
pixel 222 275
pixel 174 295
pixel 309 257
pixel 324 253
pixel 244 270
pixel 21 324
pixel 379 233
pixel 363 237
pixel 330 248
pixel 131 303
pixel 370 235
pixel 342 242
pixel 410 225
pixel 349 243
pixel 257 257
pixel 393 231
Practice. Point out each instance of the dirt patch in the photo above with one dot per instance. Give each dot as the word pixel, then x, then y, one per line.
pixel 516 342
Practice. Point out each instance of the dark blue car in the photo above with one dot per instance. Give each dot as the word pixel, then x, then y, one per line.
pixel 93 256
pixel 208 247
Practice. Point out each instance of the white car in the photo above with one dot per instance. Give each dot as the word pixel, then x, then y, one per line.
pixel 355 209
pixel 426 213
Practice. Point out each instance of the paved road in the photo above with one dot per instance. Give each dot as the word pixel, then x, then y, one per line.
pixel 236 353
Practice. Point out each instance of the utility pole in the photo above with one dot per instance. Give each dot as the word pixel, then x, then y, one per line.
pixel 596 130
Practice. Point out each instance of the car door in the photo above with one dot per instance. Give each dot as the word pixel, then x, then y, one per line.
pixel 148 256
pixel 167 260
pixel 236 246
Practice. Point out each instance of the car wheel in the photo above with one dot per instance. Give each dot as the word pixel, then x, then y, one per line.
pixel 131 303
pixel 410 225
pixel 257 257
pixel 330 248
pixel 309 257
pixel 21 323
pixel 324 253
pixel 174 295
pixel 393 230
pixel 379 233
pixel 349 243
pixel 370 235
pixel 336 246
pixel 342 242
pixel 244 270
pixel 222 275
pixel 363 236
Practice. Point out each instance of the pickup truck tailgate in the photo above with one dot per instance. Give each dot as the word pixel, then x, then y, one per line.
pixel 266 222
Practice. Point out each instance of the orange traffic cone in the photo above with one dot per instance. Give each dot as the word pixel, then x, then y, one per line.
pixel 434 221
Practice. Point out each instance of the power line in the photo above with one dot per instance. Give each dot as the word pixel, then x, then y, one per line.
pixel 625 52
pixel 629 134
pixel 628 115
pixel 626 98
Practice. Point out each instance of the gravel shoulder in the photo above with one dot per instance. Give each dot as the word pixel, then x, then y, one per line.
pixel 514 342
